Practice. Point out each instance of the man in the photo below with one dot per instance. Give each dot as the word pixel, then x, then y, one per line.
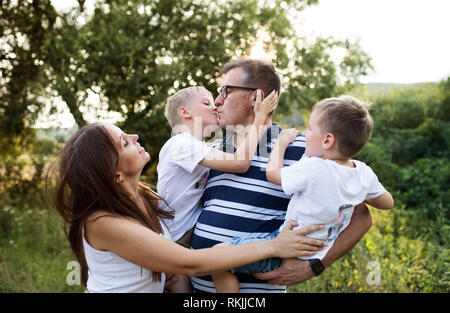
pixel 247 204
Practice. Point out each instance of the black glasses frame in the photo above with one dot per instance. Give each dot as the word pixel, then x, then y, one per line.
pixel 225 88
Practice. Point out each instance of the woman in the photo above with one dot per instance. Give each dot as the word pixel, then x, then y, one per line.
pixel 115 223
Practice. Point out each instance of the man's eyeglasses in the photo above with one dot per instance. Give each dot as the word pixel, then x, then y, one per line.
pixel 224 90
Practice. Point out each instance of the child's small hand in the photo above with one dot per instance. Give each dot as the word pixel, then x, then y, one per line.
pixel 267 106
pixel 287 136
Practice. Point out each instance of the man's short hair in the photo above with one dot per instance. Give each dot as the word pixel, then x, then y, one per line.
pixel 179 99
pixel 348 119
pixel 259 74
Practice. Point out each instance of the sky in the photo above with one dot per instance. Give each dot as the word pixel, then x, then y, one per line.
pixel 406 39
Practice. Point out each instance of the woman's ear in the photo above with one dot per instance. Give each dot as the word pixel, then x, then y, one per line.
pixel 329 141
pixel 119 178
pixel 184 113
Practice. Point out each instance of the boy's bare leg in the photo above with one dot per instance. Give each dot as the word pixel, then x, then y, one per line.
pixel 225 282
pixel 182 286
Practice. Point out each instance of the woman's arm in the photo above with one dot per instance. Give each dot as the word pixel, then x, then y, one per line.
pixel 141 246
pixel 239 162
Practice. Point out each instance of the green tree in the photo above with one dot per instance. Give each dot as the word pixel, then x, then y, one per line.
pixel 23 29
pixel 136 53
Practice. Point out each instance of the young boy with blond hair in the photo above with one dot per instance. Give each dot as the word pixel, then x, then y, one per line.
pixel 326 184
pixel 185 159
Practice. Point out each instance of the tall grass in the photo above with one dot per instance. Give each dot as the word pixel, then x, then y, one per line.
pixel 33 252
pixel 401 263
pixel 34 255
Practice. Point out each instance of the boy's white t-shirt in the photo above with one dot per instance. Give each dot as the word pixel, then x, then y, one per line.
pixel 325 192
pixel 182 181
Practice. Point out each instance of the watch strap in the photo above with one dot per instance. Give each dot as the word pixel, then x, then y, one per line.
pixel 317 266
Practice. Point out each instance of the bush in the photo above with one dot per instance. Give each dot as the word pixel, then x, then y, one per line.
pixel 409 150
pixel 404 264
pixel 379 160
pixel 394 110
pixel 421 187
pixel 404 146
pixel 22 177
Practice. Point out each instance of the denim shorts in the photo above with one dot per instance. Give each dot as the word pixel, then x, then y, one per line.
pixel 265 265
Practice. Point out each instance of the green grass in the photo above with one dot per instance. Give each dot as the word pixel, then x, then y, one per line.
pixel 34 254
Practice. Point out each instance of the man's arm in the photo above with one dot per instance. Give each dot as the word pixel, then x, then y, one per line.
pixel 295 271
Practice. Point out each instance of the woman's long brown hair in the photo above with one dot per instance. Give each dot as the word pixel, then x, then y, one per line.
pixel 83 181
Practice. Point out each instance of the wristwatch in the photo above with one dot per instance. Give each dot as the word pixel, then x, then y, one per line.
pixel 316 266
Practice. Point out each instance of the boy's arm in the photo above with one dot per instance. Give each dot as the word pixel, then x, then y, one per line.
pixel 275 164
pixel 239 162
pixel 382 202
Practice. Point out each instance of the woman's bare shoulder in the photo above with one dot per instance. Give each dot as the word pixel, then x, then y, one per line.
pixel 98 225
pixel 102 218
pixel 96 215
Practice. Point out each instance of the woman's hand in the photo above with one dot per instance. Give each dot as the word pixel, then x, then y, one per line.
pixel 264 108
pixel 294 243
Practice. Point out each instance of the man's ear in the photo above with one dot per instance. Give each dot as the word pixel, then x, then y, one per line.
pixel 329 141
pixel 184 113
pixel 254 94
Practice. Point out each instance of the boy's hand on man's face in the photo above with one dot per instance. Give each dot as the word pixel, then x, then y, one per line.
pixel 267 106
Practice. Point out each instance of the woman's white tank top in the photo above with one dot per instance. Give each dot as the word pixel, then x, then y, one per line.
pixel 108 272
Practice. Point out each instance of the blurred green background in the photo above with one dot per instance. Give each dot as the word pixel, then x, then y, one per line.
pixel 122 59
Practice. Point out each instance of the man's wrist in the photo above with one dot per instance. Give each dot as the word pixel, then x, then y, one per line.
pixel 316 266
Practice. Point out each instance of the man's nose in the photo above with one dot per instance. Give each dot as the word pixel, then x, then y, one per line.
pixel 219 101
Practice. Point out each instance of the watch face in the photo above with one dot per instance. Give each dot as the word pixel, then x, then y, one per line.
pixel 316 266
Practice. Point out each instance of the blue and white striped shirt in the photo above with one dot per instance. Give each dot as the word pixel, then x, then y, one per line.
pixel 244 205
